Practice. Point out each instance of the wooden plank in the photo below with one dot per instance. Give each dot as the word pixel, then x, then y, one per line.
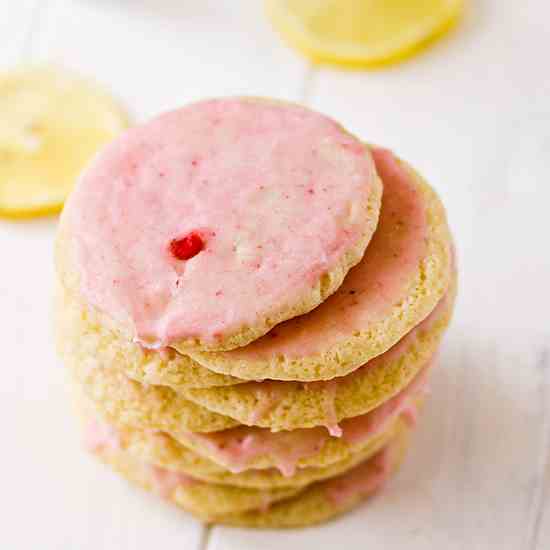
pixel 537 534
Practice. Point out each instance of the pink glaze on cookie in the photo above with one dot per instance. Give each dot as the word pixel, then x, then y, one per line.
pixel 215 216
pixel 99 436
pixel 165 482
pixel 237 447
pixel 331 387
pixel 363 480
pixel 371 288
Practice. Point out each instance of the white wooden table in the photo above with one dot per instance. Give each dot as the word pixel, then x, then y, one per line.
pixel 473 113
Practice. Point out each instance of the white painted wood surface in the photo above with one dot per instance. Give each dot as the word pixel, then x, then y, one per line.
pixel 473 113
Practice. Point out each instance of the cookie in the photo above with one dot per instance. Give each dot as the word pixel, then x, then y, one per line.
pixel 84 327
pixel 205 500
pixel 283 507
pixel 125 402
pixel 80 329
pixel 243 448
pixel 282 405
pixel 209 225
pixel 404 273
pixel 159 449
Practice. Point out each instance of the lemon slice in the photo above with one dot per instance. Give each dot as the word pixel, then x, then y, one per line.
pixel 52 124
pixel 361 32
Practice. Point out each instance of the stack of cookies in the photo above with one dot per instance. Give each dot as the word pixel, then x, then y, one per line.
pixel 250 303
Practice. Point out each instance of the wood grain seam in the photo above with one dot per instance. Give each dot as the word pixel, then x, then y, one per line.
pixel 308 84
pixel 206 533
pixel 539 491
pixel 38 13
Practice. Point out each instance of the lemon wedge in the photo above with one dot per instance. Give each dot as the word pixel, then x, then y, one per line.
pixel 361 32
pixel 53 122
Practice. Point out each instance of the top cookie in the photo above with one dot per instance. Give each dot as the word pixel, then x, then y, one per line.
pixel 207 226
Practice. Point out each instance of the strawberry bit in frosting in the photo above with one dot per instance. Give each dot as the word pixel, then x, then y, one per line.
pixel 99 436
pixel 240 170
pixel 165 482
pixel 360 481
pixel 236 448
pixel 186 247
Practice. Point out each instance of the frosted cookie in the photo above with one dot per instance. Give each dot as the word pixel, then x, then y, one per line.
pixel 242 448
pixel 258 507
pixel 405 272
pixel 205 500
pixel 207 226
pixel 124 403
pixel 282 405
pixel 327 499
pixel 81 333
pixel 161 450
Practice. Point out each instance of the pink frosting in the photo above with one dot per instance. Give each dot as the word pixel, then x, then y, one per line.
pixel 165 482
pixel 362 480
pixel 237 447
pixel 372 287
pixel 99 436
pixel 330 387
pixel 274 192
